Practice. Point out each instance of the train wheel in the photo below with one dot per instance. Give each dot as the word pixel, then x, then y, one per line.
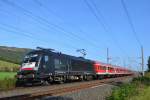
pixel 81 78
pixel 44 82
pixel 88 77
pixel 62 80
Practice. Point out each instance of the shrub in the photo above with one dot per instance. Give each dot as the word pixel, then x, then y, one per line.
pixel 124 91
pixel 142 80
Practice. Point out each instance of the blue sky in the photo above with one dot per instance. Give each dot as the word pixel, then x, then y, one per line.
pixel 67 25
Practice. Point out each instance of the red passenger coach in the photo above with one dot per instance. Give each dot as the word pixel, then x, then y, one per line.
pixel 100 68
pixel 111 69
pixel 108 70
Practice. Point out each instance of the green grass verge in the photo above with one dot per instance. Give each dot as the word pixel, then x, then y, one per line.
pixel 7 80
pixel 138 89
pixel 4 75
pixel 143 95
pixel 7 83
pixel 123 92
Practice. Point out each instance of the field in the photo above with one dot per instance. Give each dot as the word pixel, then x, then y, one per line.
pixel 8 67
pixel 8 71
pixel 7 64
pixel 4 75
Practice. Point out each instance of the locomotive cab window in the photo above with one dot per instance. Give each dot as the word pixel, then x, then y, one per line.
pixel 46 59
pixel 31 58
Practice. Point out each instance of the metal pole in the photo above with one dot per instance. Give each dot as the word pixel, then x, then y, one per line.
pixel 142 52
pixel 107 55
pixel 124 63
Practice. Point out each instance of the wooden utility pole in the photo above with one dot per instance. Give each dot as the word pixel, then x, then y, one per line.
pixel 142 60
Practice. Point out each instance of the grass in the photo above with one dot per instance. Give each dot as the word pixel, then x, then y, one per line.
pixel 138 89
pixel 8 67
pixel 7 75
pixel 7 83
pixel 143 95
pixel 123 92
pixel 7 80
pixel 4 75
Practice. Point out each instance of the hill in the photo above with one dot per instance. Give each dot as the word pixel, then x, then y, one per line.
pixel 12 54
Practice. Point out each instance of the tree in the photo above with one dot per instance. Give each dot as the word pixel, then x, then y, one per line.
pixel 148 64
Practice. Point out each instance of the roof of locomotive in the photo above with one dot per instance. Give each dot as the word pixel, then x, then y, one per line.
pixel 59 53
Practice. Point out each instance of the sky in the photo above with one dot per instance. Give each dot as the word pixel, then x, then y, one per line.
pixel 68 25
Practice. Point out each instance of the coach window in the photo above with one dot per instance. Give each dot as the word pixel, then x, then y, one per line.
pixel 101 68
pixel 104 68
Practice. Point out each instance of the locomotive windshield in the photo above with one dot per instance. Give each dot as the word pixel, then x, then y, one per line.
pixel 31 58
pixel 31 62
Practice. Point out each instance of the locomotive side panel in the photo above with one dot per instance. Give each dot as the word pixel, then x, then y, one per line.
pixel 82 67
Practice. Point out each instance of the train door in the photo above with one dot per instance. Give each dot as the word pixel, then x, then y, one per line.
pixel 60 64
pixel 46 64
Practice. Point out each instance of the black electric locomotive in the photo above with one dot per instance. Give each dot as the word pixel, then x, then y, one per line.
pixel 47 66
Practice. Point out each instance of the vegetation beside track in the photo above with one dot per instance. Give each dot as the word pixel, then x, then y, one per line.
pixel 8 67
pixel 7 83
pixel 4 75
pixel 138 89
pixel 7 80
pixel 8 71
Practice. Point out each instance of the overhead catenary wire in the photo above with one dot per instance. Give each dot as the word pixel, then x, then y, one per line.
pixel 21 32
pixel 92 43
pixel 25 33
pixel 134 33
pixel 131 23
pixel 108 29
pixel 47 23
pixel 41 20
pixel 94 12
pixel 38 21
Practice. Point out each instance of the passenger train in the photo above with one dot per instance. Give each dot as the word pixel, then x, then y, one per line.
pixel 48 66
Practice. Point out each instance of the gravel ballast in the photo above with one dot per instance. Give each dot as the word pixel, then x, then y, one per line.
pixel 94 93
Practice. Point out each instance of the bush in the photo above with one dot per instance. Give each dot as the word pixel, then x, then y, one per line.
pixel 142 80
pixel 124 91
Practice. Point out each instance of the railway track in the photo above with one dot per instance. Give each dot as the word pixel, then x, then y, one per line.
pixel 54 90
